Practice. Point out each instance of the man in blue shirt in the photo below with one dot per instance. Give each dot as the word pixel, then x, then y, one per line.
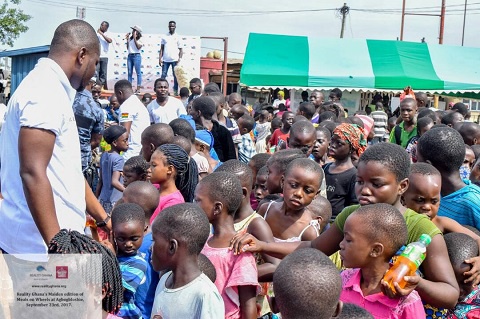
pixel 89 117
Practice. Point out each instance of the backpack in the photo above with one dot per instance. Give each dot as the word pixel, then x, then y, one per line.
pixel 398 135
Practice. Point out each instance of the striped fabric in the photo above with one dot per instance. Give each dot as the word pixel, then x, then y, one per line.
pixel 133 270
pixel 302 62
pixel 380 123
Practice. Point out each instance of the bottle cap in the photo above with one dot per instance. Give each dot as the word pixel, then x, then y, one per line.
pixel 426 239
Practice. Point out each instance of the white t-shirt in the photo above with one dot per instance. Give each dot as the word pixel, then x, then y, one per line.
pixel 167 113
pixel 171 44
pixel 277 102
pixel 133 110
pixel 43 100
pixel 202 163
pixel 3 110
pixel 198 299
pixel 104 45
pixel 132 47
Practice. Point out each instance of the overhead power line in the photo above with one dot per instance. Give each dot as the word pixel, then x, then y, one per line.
pixel 146 9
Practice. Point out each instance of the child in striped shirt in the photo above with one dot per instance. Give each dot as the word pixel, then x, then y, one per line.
pixel 128 225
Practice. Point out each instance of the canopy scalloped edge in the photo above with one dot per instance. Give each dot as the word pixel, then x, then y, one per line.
pixel 363 90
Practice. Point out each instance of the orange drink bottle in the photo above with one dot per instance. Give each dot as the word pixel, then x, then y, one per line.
pixel 408 262
pixel 90 222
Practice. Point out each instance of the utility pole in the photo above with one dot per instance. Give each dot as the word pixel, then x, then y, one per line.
pixel 464 18
pixel 441 15
pixel 442 23
pixel 343 11
pixel 403 21
pixel 81 13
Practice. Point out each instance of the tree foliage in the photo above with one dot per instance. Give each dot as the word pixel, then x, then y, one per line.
pixel 12 22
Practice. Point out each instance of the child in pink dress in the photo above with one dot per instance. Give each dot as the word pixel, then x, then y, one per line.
pixel 220 195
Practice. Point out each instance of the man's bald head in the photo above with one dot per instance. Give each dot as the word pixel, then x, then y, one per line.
pixel 72 35
pixel 75 48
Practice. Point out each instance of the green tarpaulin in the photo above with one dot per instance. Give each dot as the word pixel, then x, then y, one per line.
pixel 280 61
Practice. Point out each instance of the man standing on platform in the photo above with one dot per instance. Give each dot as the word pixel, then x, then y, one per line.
pixel 105 40
pixel 171 53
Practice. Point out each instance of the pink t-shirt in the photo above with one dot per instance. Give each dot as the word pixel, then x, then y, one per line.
pixel 110 316
pixel 167 201
pixel 232 271
pixel 379 305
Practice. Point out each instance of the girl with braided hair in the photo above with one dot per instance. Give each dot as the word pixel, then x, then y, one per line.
pixel 176 174
pixel 340 176
pixel 72 242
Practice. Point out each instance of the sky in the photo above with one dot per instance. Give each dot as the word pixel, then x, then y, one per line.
pixel 368 19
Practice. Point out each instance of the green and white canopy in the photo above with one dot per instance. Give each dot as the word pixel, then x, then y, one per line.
pixel 280 61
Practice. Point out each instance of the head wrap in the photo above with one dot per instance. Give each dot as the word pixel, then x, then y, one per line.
pixel 367 123
pixel 354 135
pixel 113 132
pixel 281 93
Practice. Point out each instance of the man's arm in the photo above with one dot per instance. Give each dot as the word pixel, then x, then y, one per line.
pixel 94 208
pixel 180 54
pixel 160 55
pixel 127 126
pixel 95 140
pixel 35 149
pixel 109 40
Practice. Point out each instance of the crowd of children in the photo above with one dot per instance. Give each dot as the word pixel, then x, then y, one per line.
pixel 229 214
pixel 307 190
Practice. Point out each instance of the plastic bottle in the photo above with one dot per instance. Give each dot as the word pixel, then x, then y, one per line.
pixel 408 262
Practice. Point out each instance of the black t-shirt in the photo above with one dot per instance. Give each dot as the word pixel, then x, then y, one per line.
pixel 340 188
pixel 223 142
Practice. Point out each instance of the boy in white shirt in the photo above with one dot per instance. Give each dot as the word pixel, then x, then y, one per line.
pixel 179 234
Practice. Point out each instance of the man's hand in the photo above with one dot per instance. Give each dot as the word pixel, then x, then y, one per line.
pixel 108 227
pixel 110 243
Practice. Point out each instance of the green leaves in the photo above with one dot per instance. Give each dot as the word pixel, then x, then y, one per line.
pixel 12 22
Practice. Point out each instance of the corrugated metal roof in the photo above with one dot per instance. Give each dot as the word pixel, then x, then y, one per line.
pixel 11 53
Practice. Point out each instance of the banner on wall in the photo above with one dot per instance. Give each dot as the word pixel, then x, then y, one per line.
pixel 151 70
